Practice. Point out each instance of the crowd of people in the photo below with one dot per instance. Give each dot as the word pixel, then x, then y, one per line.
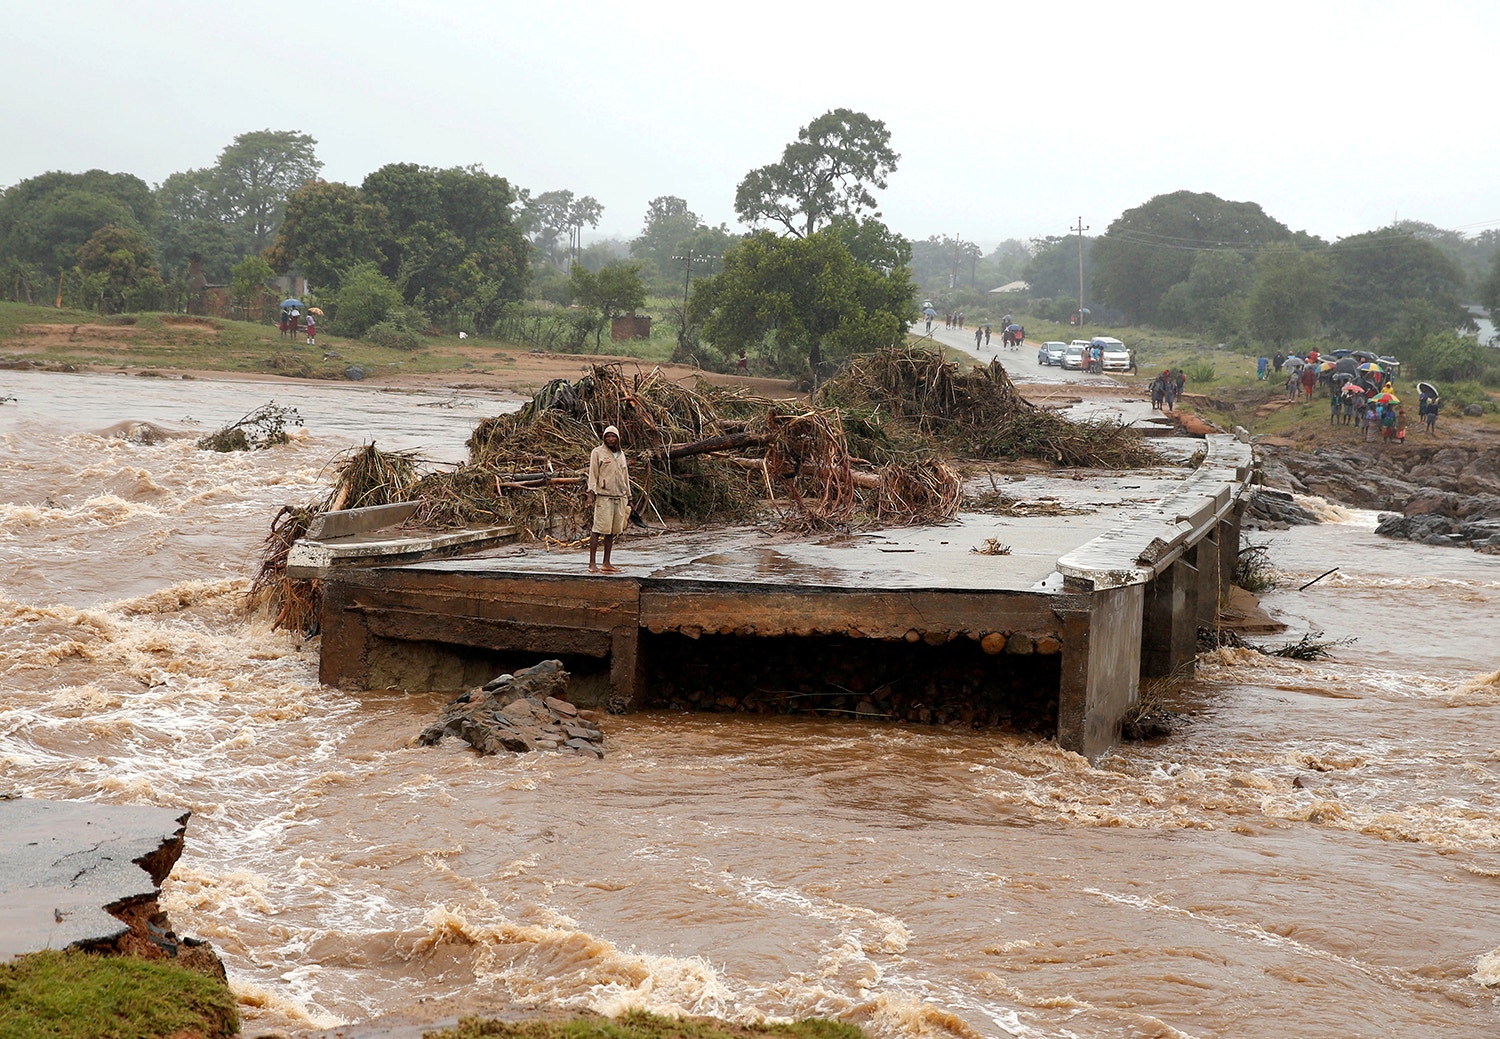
pixel 1361 392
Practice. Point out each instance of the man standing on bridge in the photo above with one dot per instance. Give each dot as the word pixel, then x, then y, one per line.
pixel 609 495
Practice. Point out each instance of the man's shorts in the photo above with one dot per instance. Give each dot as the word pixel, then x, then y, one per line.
pixel 610 514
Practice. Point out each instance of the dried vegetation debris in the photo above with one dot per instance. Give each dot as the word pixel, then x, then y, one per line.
pixel 873 448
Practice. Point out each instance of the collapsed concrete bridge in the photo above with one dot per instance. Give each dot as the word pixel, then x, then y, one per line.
pixel 1050 626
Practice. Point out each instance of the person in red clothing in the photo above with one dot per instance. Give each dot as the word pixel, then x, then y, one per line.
pixel 1309 380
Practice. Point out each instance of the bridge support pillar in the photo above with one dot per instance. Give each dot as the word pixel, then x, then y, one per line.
pixel 1169 638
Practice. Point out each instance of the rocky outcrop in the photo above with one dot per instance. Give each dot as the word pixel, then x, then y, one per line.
pixel 89 875
pixel 1271 508
pixel 1435 493
pixel 518 713
pixel 1437 529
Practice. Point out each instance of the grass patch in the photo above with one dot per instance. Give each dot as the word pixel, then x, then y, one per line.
pixel 640 1025
pixel 75 995
pixel 178 342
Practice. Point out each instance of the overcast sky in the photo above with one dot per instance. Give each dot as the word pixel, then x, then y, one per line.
pixel 1012 119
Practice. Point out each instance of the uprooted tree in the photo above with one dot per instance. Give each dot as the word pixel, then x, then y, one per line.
pixel 870 450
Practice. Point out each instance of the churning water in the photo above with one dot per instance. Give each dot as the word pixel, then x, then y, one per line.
pixel 1316 853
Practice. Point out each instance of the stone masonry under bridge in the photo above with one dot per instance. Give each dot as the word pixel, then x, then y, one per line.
pixel 1053 635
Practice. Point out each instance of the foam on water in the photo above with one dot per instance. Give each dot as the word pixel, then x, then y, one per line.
pixel 1318 837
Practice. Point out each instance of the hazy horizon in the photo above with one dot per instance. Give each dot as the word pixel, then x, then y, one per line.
pixel 1010 124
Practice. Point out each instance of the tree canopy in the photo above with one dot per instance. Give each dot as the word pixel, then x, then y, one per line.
pixel 802 301
pixel 45 220
pixel 1381 272
pixel 829 171
pixel 615 290
pixel 1150 248
pixel 1291 292
pixel 672 231
pixel 444 238
pixel 232 209
pixel 554 221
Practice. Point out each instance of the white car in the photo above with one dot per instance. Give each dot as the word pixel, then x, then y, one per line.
pixel 1051 353
pixel 1113 354
pixel 1073 356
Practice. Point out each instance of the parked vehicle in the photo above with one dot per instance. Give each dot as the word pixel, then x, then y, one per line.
pixel 1074 356
pixel 1051 353
pixel 1114 355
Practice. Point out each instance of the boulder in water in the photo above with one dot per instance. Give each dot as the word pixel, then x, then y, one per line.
pixel 524 711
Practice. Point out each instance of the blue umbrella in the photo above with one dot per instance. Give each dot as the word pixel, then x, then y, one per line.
pixel 290 303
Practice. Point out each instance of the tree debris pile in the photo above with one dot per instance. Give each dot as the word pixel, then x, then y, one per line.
pixel 896 402
pixel 705 455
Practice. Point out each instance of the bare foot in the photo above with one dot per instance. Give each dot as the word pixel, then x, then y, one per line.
pixel 593 569
pixel 608 569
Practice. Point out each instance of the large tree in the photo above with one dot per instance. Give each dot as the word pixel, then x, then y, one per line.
pixel 1380 273
pixel 445 238
pixel 1150 248
pixel 257 173
pixel 1052 271
pixel 673 231
pixel 827 172
pixel 233 208
pixel 1291 292
pixel 329 228
pixel 801 301
pixel 120 258
pixel 554 221
pixel 1212 297
pixel 45 220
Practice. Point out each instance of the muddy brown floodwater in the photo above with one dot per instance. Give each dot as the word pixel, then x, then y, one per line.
pixel 1316 853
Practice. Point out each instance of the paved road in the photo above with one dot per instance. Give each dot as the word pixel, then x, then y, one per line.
pixel 1023 370
pixel 1020 364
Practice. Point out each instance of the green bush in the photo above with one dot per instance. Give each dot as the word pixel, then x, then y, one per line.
pixel 1199 372
pixel 365 299
pixel 393 334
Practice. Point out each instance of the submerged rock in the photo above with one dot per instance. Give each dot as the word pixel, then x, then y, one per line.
pixel 521 712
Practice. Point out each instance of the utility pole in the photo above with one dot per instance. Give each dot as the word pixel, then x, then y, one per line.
pixel 1082 227
pixel 687 280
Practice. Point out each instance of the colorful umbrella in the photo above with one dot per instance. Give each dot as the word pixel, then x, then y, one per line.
pixel 1355 388
pixel 1327 366
pixel 1384 398
pixel 315 310
pixel 1370 366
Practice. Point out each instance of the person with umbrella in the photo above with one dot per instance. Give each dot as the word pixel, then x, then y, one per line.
pixel 313 313
pixel 290 317
pixel 929 314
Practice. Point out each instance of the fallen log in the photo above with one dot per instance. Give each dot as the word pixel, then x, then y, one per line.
pixel 724 442
pixel 536 485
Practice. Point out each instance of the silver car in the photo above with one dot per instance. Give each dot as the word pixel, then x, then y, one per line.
pixel 1051 353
